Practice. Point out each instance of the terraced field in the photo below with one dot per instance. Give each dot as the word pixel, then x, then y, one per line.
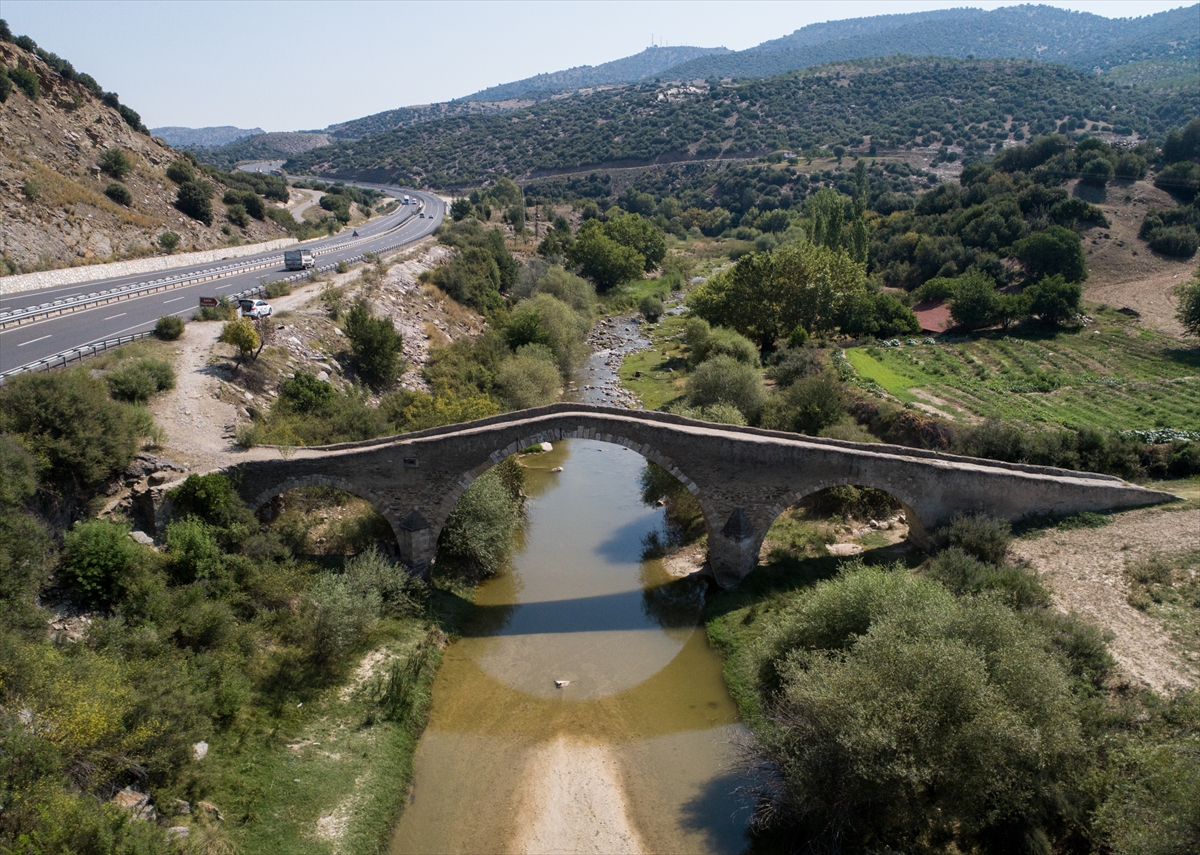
pixel 1110 374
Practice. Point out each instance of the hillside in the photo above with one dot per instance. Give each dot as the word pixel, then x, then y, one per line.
pixel 390 120
pixel 271 146
pixel 56 213
pixel 883 104
pixel 1078 40
pixel 649 63
pixel 207 137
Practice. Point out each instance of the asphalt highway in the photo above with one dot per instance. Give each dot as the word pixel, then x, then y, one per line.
pixel 21 345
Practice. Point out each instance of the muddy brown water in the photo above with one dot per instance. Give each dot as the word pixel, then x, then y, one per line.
pixel 634 752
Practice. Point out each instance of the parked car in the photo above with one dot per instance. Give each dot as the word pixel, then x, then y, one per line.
pixel 254 308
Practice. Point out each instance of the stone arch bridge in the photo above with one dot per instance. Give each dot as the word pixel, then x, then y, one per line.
pixel 743 478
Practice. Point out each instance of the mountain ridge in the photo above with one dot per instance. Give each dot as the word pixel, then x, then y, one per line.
pixel 209 137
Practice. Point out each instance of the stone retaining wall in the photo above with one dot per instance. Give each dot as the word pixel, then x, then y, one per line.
pixel 92 272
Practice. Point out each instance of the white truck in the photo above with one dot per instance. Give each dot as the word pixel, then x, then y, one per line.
pixel 298 259
pixel 405 200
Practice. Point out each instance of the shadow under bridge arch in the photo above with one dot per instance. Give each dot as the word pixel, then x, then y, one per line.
pixel 441 512
pixel 262 503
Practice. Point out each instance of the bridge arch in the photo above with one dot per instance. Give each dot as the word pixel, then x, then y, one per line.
pixel 645 450
pixel 917 534
pixel 322 480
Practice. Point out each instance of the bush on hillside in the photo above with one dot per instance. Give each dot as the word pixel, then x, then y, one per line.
pixel 651 308
pixel 181 171
pixel 168 241
pixel 115 162
pixel 194 198
pixel 375 345
pixel 1176 241
pixel 26 80
pixel 6 85
pixel 100 561
pixel 986 538
pixel 119 193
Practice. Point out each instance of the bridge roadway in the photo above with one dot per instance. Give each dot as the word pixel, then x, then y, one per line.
pixel 743 478
pixel 21 345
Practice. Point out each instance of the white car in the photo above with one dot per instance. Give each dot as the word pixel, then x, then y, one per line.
pixel 254 308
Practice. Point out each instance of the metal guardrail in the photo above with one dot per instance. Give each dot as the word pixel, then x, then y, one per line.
pixel 100 298
pixel 77 354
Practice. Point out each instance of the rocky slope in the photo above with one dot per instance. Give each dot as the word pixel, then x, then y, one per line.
pixel 54 211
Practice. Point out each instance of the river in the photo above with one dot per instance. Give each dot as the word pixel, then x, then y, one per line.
pixel 633 752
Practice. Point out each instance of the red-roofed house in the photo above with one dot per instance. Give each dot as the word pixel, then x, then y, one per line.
pixel 934 316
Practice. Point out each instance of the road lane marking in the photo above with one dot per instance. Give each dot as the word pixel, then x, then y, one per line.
pixel 32 340
pixel 114 317
pixel 175 300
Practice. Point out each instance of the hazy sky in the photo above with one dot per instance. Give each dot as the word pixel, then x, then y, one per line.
pixel 304 65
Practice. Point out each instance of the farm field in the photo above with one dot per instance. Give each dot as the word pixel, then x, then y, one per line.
pixel 1110 374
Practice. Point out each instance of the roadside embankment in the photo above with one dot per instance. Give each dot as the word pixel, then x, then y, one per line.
pixel 93 272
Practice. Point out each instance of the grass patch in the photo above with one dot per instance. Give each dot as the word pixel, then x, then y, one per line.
pixel 894 383
pixel 58 191
pixel 657 375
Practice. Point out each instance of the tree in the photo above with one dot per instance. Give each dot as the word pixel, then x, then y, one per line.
pixel 168 241
pixel 240 333
pixel 530 378
pixel 1188 312
pixel 195 199
pixel 651 307
pixel 115 162
pixel 1054 300
pixel 460 209
pixel 808 406
pixel 974 304
pixel 375 344
pixel 639 234
pixel 765 296
pixel 1053 251
pixel 603 260
pixel 1096 172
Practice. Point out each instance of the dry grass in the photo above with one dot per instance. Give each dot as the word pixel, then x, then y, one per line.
pixel 59 191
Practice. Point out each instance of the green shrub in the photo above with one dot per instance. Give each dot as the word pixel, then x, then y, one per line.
pixel 892 706
pixel 400 593
pixel 119 193
pixel 181 171
pixel 724 380
pixel 115 162
pixel 82 435
pixel 169 327
pixel 237 215
pixel 482 528
pixel 651 307
pixel 544 319
pixel 809 405
pixel 193 551
pixel 194 198
pixel 1176 241
pixel 964 574
pixel 375 345
pixel 100 560
pixel 223 311
pixel 26 80
pixel 794 364
pixel 304 393
pixel 343 267
pixel 986 538
pixel 1081 644
pixel 705 342
pixel 530 378
pixel 278 288
pixel 140 380
pixel 214 500
pixel 6 85
pixel 32 190
pixel 168 241
pixel 338 617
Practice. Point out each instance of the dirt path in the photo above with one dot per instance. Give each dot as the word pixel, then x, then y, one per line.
pixel 1084 569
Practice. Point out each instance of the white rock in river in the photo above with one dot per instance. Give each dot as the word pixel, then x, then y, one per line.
pixel 547 446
